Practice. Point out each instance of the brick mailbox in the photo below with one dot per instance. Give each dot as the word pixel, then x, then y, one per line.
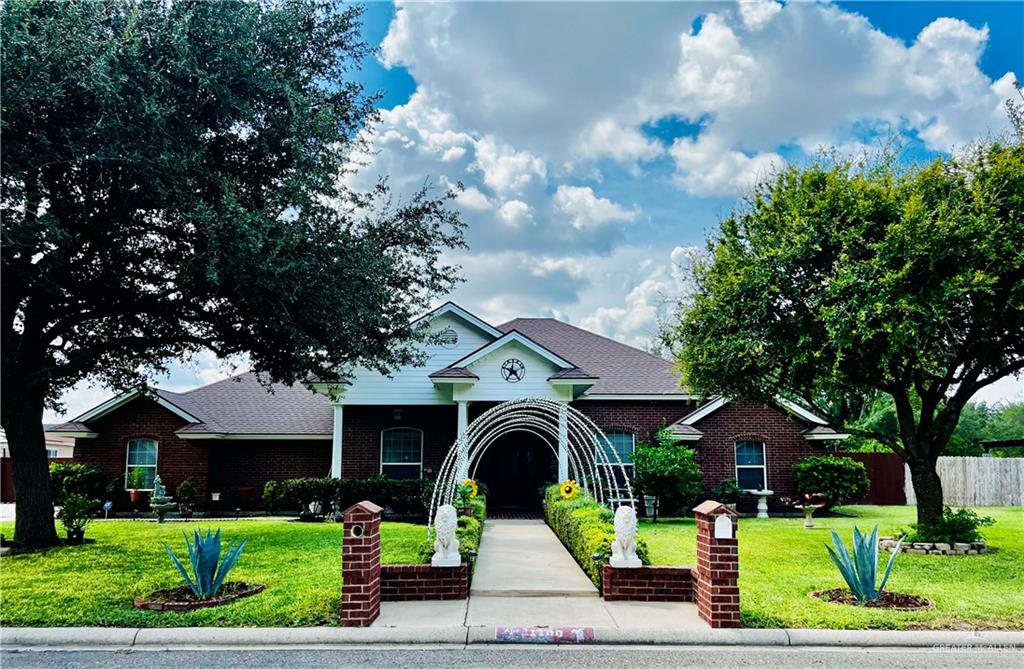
pixel 717 573
pixel 360 565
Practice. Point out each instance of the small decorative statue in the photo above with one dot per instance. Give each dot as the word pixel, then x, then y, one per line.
pixel 624 546
pixel 160 502
pixel 446 545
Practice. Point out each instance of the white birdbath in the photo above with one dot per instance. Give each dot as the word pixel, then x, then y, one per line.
pixel 762 501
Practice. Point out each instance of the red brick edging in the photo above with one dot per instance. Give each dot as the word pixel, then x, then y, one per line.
pixel 416 582
pixel 647 584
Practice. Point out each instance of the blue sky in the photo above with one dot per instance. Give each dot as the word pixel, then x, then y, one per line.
pixel 599 143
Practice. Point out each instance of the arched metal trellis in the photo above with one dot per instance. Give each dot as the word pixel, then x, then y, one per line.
pixel 592 460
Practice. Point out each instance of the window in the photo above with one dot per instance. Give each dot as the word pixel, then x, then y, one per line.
pixel 141 455
pixel 751 473
pixel 622 444
pixel 401 453
pixel 52 453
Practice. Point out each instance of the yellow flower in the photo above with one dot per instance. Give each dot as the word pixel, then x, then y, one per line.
pixel 471 484
pixel 569 489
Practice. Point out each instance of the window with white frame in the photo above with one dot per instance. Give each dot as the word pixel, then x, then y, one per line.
pixel 751 472
pixel 52 452
pixel 141 455
pixel 619 443
pixel 401 453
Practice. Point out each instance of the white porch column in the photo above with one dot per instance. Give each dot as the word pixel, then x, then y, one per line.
pixel 563 441
pixel 463 423
pixel 336 441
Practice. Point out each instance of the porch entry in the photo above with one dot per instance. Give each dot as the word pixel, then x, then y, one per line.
pixel 506 444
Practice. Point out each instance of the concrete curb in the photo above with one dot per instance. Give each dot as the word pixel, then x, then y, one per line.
pixel 223 637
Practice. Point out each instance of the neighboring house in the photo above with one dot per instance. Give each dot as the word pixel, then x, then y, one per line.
pixel 232 436
pixel 59 448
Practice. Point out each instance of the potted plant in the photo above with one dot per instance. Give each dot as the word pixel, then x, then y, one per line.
pixel 75 514
pixel 136 480
pixel 727 492
pixel 186 493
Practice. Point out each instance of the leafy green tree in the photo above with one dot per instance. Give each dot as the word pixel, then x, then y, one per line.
pixel 841 281
pixel 173 181
pixel 669 471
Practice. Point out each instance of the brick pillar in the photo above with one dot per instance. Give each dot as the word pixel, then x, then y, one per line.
pixel 360 565
pixel 718 567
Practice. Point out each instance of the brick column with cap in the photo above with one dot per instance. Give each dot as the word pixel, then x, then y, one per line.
pixel 715 578
pixel 360 565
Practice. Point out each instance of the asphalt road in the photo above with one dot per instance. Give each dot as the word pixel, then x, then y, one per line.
pixel 508 657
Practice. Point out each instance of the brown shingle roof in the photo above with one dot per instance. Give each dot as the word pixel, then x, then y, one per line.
pixel 454 373
pixel 621 369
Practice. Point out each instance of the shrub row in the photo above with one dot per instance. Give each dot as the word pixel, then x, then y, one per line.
pixel 586 529
pixel 469 531
pixel 315 498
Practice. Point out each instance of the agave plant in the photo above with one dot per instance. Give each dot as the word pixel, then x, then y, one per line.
pixel 861 571
pixel 208 570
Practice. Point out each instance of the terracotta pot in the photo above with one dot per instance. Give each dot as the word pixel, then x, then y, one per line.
pixel 136 496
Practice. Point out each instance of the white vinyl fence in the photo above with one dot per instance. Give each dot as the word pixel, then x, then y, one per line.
pixel 977 481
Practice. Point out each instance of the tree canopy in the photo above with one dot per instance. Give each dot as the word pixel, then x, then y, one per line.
pixel 841 281
pixel 174 180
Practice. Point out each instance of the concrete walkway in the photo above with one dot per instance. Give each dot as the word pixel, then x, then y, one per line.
pixel 524 558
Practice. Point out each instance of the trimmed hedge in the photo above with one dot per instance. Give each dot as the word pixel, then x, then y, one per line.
pixel 837 478
pixel 469 531
pixel 396 496
pixel 586 528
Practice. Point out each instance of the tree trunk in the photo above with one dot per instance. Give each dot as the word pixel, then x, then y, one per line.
pixel 928 489
pixel 33 520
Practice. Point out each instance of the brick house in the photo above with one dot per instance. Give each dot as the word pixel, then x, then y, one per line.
pixel 232 436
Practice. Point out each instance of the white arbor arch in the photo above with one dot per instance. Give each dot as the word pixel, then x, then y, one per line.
pixel 583 451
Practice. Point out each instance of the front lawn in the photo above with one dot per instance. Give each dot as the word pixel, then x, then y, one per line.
pixel 95 584
pixel 781 562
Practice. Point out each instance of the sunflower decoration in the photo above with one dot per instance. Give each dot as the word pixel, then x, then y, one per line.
pixel 474 489
pixel 569 489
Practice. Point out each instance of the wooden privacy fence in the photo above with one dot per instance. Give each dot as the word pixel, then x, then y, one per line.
pixel 968 481
pixel 885 471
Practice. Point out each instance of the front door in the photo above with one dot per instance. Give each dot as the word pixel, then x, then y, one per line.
pixel 515 469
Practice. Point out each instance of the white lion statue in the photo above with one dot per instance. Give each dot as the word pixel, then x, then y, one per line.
pixel 624 546
pixel 446 545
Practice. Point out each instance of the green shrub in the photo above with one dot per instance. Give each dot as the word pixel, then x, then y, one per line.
pixel 727 491
pixel 668 471
pixel 186 491
pixel 469 531
pixel 838 479
pixel 956 526
pixel 312 497
pixel 398 496
pixel 272 497
pixel 136 478
pixel 585 528
pixel 77 479
pixel 77 511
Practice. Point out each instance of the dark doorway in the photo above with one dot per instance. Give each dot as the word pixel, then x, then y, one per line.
pixel 515 468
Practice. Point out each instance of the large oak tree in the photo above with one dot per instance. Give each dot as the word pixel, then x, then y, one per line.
pixel 840 282
pixel 172 182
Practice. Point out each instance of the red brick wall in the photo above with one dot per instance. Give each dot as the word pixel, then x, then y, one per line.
pixel 736 421
pixel 362 426
pixel 647 584
pixel 408 582
pixel 642 418
pixel 236 464
pixel 177 459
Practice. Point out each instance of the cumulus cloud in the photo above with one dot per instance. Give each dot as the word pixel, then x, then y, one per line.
pixel 584 210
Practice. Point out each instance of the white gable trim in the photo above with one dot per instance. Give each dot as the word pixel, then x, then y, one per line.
pixel 125 398
pixel 514 336
pixel 719 402
pixel 452 308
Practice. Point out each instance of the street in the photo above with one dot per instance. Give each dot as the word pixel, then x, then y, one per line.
pixel 508 657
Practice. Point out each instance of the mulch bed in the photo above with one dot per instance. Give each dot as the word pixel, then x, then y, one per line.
pixel 183 599
pixel 896 601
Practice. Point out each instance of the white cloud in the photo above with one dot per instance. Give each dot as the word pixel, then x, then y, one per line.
pixel 584 210
pixel 515 213
pixel 706 167
pixel 471 198
pixel 610 139
pixel 506 170
pixel 757 13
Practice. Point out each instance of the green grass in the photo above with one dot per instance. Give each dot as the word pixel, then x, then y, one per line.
pixel 94 584
pixel 781 562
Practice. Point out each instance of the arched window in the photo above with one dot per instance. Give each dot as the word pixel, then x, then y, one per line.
pixel 751 471
pixel 620 443
pixel 401 453
pixel 141 455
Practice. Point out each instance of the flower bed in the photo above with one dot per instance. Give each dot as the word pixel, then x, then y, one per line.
pixel 936 548
pixel 585 528
pixel 183 599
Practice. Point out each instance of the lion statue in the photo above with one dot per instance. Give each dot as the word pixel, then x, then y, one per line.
pixel 446 545
pixel 624 546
